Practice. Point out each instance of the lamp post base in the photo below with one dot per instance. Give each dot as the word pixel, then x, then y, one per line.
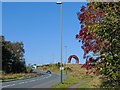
pixel 61 76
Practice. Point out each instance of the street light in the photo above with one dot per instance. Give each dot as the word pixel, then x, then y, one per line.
pixel 59 2
pixel 60 39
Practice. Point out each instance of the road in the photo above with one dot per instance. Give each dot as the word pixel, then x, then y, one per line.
pixel 43 81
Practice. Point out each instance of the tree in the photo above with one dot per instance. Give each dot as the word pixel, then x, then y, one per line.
pixel 12 57
pixel 100 35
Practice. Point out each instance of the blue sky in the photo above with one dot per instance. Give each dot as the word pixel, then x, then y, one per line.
pixel 37 25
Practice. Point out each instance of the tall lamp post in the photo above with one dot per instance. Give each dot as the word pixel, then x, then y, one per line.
pixel 60 3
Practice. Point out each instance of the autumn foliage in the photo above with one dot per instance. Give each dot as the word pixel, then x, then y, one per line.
pixel 100 35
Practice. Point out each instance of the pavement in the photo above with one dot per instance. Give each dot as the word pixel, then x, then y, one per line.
pixel 43 81
pixel 77 84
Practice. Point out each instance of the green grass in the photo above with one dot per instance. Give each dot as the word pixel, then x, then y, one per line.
pixel 68 82
pixel 71 80
pixel 76 75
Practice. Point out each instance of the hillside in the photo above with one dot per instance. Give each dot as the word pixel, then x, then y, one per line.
pixel 54 68
pixel 72 69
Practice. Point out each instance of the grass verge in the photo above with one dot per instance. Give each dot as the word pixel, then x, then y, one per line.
pixel 75 75
pixel 71 80
pixel 95 82
pixel 68 82
pixel 18 76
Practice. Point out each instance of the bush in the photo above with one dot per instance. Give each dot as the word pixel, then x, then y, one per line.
pixel 68 69
pixel 29 70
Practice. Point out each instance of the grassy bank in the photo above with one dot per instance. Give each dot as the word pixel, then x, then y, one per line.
pixel 68 82
pixel 71 80
pixel 75 74
pixel 54 68
pixel 95 82
pixel 18 76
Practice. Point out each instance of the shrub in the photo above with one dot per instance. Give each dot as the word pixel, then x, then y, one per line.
pixel 29 70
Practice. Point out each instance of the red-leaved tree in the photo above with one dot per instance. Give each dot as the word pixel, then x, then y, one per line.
pixel 100 35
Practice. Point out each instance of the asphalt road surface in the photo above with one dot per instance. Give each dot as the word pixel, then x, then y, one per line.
pixel 43 81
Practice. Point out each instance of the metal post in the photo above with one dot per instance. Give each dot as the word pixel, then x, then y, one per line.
pixel 60 41
pixel 61 37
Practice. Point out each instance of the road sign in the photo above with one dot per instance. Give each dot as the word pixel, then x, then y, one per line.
pixel 61 68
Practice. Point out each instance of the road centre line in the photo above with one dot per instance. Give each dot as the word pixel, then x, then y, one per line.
pixel 5 86
pixel 8 85
pixel 21 83
pixel 12 85
pixel 25 82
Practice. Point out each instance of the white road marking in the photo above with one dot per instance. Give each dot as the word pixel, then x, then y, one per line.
pixel 25 82
pixel 8 85
pixel 5 86
pixel 46 77
pixel 21 83
pixel 32 80
pixel 12 85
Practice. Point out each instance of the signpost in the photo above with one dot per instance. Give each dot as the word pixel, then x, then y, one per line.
pixel 61 68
